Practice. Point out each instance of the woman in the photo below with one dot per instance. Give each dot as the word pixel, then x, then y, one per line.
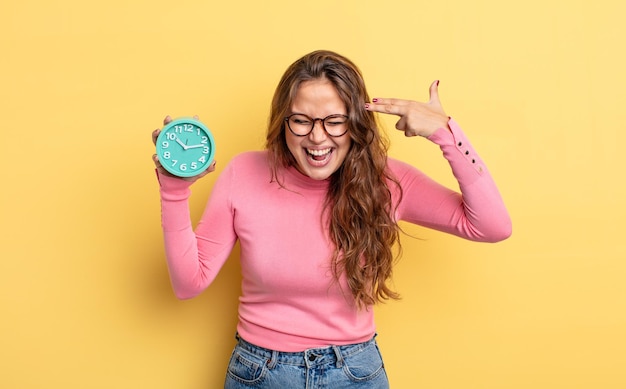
pixel 316 215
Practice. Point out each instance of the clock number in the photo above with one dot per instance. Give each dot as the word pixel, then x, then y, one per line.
pixel 171 136
pixel 202 159
pixel 167 155
pixel 165 144
pixel 188 128
pixel 174 162
pixel 204 140
pixel 183 167
pixel 194 165
pixel 178 129
pixel 205 150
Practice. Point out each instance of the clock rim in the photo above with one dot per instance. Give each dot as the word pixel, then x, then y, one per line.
pixel 195 122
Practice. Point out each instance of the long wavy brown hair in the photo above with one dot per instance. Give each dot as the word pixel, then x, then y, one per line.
pixel 359 203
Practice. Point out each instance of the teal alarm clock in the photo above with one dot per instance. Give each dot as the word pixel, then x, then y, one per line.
pixel 185 147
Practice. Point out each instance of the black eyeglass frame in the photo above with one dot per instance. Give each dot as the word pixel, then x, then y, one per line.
pixel 313 120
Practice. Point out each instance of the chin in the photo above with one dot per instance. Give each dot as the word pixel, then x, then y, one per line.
pixel 315 170
pixel 319 176
pixel 316 173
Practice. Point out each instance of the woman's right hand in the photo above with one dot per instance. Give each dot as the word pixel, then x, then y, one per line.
pixel 162 171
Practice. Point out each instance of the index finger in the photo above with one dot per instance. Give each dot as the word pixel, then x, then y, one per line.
pixel 155 135
pixel 389 106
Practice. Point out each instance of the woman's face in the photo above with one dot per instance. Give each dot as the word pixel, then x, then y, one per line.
pixel 318 155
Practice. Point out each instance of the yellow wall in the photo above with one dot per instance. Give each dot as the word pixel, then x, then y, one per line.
pixel 537 85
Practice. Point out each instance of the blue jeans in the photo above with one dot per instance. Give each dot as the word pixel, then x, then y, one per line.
pixel 352 366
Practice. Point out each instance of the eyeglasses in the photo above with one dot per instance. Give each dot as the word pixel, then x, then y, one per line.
pixel 301 125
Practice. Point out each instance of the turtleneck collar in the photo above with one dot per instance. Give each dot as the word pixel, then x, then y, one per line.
pixel 293 176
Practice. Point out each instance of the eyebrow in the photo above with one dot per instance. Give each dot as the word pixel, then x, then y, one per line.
pixel 311 117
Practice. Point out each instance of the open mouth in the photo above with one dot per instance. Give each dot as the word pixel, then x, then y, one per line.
pixel 319 156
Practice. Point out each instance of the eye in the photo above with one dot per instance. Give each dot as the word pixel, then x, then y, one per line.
pixel 335 120
pixel 301 120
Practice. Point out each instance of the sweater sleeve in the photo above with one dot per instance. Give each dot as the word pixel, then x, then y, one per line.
pixel 195 257
pixel 476 213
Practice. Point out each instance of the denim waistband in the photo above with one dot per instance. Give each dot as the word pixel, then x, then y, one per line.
pixel 309 358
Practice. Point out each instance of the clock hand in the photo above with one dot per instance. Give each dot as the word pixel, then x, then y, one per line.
pixel 195 146
pixel 185 147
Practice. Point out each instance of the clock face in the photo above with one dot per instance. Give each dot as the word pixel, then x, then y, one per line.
pixel 185 147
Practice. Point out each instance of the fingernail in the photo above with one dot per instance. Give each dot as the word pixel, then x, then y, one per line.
pixel 374 100
pixel 437 83
pixel 367 105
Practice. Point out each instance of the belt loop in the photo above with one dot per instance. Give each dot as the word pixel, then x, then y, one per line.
pixel 339 356
pixel 273 360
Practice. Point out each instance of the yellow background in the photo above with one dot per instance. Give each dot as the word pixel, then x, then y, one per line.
pixel 538 86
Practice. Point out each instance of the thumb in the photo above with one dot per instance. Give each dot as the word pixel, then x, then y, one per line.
pixel 434 92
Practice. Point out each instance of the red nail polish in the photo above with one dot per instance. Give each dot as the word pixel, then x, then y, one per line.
pixel 374 100
pixel 367 105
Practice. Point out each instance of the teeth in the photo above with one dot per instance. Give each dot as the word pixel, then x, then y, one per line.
pixel 318 153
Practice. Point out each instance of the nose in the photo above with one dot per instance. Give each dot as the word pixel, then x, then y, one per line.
pixel 318 134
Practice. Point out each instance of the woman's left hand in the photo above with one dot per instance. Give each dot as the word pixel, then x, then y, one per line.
pixel 416 118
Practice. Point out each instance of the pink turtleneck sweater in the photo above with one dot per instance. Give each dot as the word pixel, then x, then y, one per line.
pixel 289 301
